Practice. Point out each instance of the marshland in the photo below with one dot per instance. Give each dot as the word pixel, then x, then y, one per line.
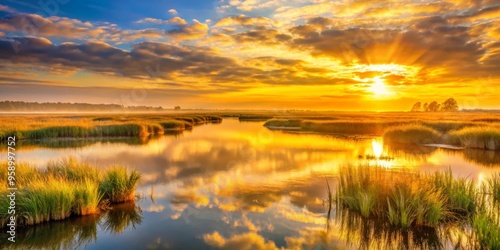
pixel 284 179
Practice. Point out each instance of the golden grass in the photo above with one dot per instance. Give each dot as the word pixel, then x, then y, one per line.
pixel 92 126
pixel 412 134
pixel 65 188
pixel 484 137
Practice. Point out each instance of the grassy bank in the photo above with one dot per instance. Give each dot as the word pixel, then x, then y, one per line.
pixel 45 127
pixel 280 123
pixel 472 133
pixel 412 133
pixel 66 188
pixel 484 137
pixel 411 200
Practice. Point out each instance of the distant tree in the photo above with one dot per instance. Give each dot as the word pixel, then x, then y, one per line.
pixel 434 106
pixel 177 108
pixel 449 105
pixel 416 107
pixel 425 108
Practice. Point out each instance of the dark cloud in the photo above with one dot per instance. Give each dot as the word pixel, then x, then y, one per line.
pixel 33 24
pixel 428 43
pixel 194 31
pixel 262 35
pixel 162 61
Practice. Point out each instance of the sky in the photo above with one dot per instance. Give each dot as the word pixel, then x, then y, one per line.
pixel 353 55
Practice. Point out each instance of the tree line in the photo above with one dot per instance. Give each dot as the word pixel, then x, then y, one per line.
pixel 450 105
pixel 19 106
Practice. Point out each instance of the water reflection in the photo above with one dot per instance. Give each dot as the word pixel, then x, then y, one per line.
pixel 236 184
pixel 76 232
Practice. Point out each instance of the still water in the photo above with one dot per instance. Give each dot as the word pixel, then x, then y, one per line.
pixel 241 186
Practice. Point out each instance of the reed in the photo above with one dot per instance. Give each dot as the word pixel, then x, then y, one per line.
pixel 174 125
pixel 487 230
pixel 406 199
pixel 349 127
pixel 66 188
pixel 484 137
pixel 411 134
pixel 493 185
pixel 283 123
pixel 461 194
pixel 118 185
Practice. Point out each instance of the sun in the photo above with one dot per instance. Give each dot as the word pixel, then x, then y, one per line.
pixel 378 87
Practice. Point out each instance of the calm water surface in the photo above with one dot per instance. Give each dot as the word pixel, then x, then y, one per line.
pixel 241 186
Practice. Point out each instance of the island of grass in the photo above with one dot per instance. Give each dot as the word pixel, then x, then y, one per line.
pixel 411 200
pixel 64 189
pixel 52 126
pixel 464 131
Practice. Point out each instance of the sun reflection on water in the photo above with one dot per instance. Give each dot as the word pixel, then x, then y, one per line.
pixel 377 147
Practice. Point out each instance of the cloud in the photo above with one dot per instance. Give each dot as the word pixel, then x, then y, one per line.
pixel 33 24
pixel 239 242
pixel 194 31
pixel 245 21
pixel 174 20
pixel 173 12
pixel 7 9
pixel 251 5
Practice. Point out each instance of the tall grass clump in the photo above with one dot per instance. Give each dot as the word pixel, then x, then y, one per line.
pixel 493 184
pixel 63 189
pixel 86 198
pixel 485 137
pixel 174 125
pixel 117 130
pixel 349 127
pixel 411 134
pixel 118 185
pixel 283 123
pixel 404 199
pixel 461 194
pixel 487 230
pixel 57 132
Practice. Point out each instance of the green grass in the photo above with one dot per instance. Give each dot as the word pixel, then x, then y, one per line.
pixel 487 230
pixel 406 199
pixel 411 134
pixel 410 200
pixel 461 194
pixel 118 184
pixel 484 137
pixel 63 189
pixel 493 185
pixel 49 126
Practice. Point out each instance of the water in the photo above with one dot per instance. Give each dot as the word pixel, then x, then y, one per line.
pixel 239 184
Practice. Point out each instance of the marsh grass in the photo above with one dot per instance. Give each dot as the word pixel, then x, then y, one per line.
pixel 461 194
pixel 175 125
pixel 118 184
pixel 487 230
pixel 349 127
pixel 51 126
pixel 411 134
pixel 283 123
pixel 478 137
pixel 493 187
pixel 406 199
pixel 63 189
